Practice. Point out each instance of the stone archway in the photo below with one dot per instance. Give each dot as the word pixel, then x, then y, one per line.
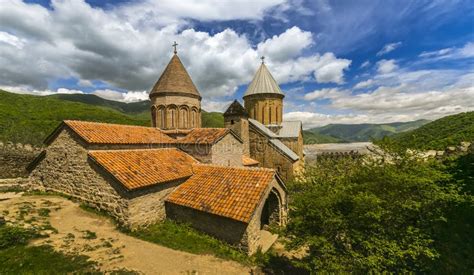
pixel 271 212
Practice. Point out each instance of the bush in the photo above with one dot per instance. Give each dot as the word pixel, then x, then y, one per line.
pixel 12 236
pixel 362 216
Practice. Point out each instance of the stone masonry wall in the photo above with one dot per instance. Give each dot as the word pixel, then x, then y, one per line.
pixel 227 151
pixel 14 158
pixel 269 156
pixel 66 169
pixel 252 233
pixel 148 205
pixel 228 230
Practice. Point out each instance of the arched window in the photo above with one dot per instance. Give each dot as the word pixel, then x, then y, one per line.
pixel 183 117
pixel 270 120
pixel 277 114
pixel 160 116
pixel 194 118
pixel 172 117
pixel 153 116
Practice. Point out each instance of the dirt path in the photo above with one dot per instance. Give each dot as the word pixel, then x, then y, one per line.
pixel 77 231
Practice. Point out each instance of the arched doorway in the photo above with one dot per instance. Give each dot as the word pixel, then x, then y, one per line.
pixel 271 210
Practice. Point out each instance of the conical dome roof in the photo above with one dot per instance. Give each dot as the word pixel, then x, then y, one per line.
pixel 263 83
pixel 236 109
pixel 175 79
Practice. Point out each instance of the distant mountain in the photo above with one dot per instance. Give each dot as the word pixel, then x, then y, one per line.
pixel 439 134
pixel 365 131
pixel 317 138
pixel 129 108
pixel 29 118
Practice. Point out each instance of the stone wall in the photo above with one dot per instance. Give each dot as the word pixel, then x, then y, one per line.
pixel 270 157
pixel 227 151
pixel 228 230
pixel 265 108
pixel 201 152
pixel 14 158
pixel 66 169
pixel 176 111
pixel 252 233
pixel 240 126
pixel 148 205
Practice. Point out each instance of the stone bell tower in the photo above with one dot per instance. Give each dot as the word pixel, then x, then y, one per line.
pixel 236 119
pixel 175 100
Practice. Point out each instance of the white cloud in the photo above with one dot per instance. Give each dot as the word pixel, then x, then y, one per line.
pixel 126 97
pixel 323 93
pixel 165 12
pixel 286 45
pixel 385 66
pixel 85 83
pixel 11 40
pixel 215 106
pixel 30 91
pixel 364 84
pixel 129 50
pixel 467 51
pixel 365 64
pixel 388 48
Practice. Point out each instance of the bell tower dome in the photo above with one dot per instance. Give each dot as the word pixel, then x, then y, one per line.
pixel 263 99
pixel 175 100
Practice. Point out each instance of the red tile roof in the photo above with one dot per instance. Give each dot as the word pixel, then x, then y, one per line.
pixel 203 136
pixel 105 133
pixel 248 161
pixel 232 192
pixel 145 167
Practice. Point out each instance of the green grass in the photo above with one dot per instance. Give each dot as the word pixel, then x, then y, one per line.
pixel 184 238
pixel 365 131
pixel 22 259
pixel 18 258
pixel 317 138
pixel 30 119
pixel 439 134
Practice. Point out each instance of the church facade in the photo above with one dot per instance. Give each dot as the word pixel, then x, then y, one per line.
pixel 227 182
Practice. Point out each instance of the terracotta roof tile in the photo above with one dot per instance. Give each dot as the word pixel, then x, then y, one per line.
pixel 144 167
pixel 105 133
pixel 204 136
pixel 232 192
pixel 248 161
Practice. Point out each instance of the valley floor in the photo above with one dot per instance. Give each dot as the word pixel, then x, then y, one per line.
pixel 73 230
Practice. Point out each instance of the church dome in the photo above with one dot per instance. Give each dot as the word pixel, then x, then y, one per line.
pixel 263 83
pixel 175 79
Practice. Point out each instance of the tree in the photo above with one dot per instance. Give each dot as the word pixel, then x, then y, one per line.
pixel 360 215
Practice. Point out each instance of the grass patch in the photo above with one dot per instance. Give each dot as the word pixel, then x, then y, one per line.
pixel 38 260
pixel 182 237
pixel 89 235
pixel 44 212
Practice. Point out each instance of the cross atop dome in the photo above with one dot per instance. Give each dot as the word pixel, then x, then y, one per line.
pixel 174 46
pixel 263 59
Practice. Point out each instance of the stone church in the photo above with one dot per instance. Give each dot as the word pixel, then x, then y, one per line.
pixel 227 182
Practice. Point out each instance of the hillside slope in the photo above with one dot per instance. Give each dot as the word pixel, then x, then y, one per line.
pixel 29 118
pixel 317 138
pixel 366 131
pixel 437 135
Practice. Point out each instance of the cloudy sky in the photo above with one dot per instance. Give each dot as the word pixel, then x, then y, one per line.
pixel 337 61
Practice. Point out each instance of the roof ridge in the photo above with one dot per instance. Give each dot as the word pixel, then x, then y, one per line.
pixel 140 149
pixel 235 167
pixel 108 123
